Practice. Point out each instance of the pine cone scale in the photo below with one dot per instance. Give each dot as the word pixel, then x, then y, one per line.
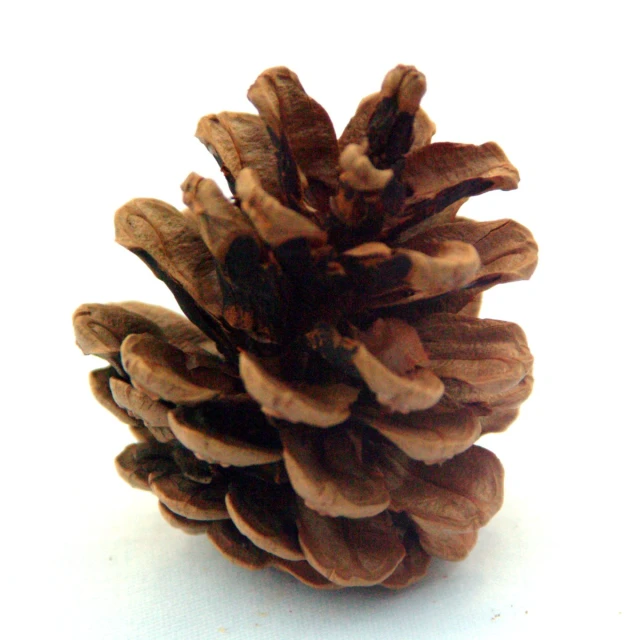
pixel 414 565
pixel 238 140
pixel 506 249
pixel 99 382
pixel 189 499
pixel 431 436
pixel 327 472
pixel 190 527
pixel 305 573
pixel 291 114
pixel 361 552
pixel 235 547
pixel 230 434
pixel 154 415
pixel 264 515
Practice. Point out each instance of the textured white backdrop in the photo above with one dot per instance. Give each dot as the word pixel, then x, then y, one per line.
pixel 100 105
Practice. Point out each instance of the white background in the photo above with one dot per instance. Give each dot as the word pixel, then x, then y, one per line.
pixel 100 102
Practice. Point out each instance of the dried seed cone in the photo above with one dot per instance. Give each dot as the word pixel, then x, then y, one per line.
pixel 317 409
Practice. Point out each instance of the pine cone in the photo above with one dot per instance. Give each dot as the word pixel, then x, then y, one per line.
pixel 318 410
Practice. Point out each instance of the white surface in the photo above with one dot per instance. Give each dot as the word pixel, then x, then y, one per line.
pixel 100 104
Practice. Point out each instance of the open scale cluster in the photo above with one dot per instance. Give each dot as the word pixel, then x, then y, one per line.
pixel 317 406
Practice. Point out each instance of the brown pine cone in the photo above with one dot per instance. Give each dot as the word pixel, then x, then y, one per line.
pixel 317 411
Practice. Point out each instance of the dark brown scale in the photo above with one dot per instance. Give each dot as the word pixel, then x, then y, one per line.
pixel 287 171
pixel 414 214
pixel 389 133
pixel 190 466
pixel 241 419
